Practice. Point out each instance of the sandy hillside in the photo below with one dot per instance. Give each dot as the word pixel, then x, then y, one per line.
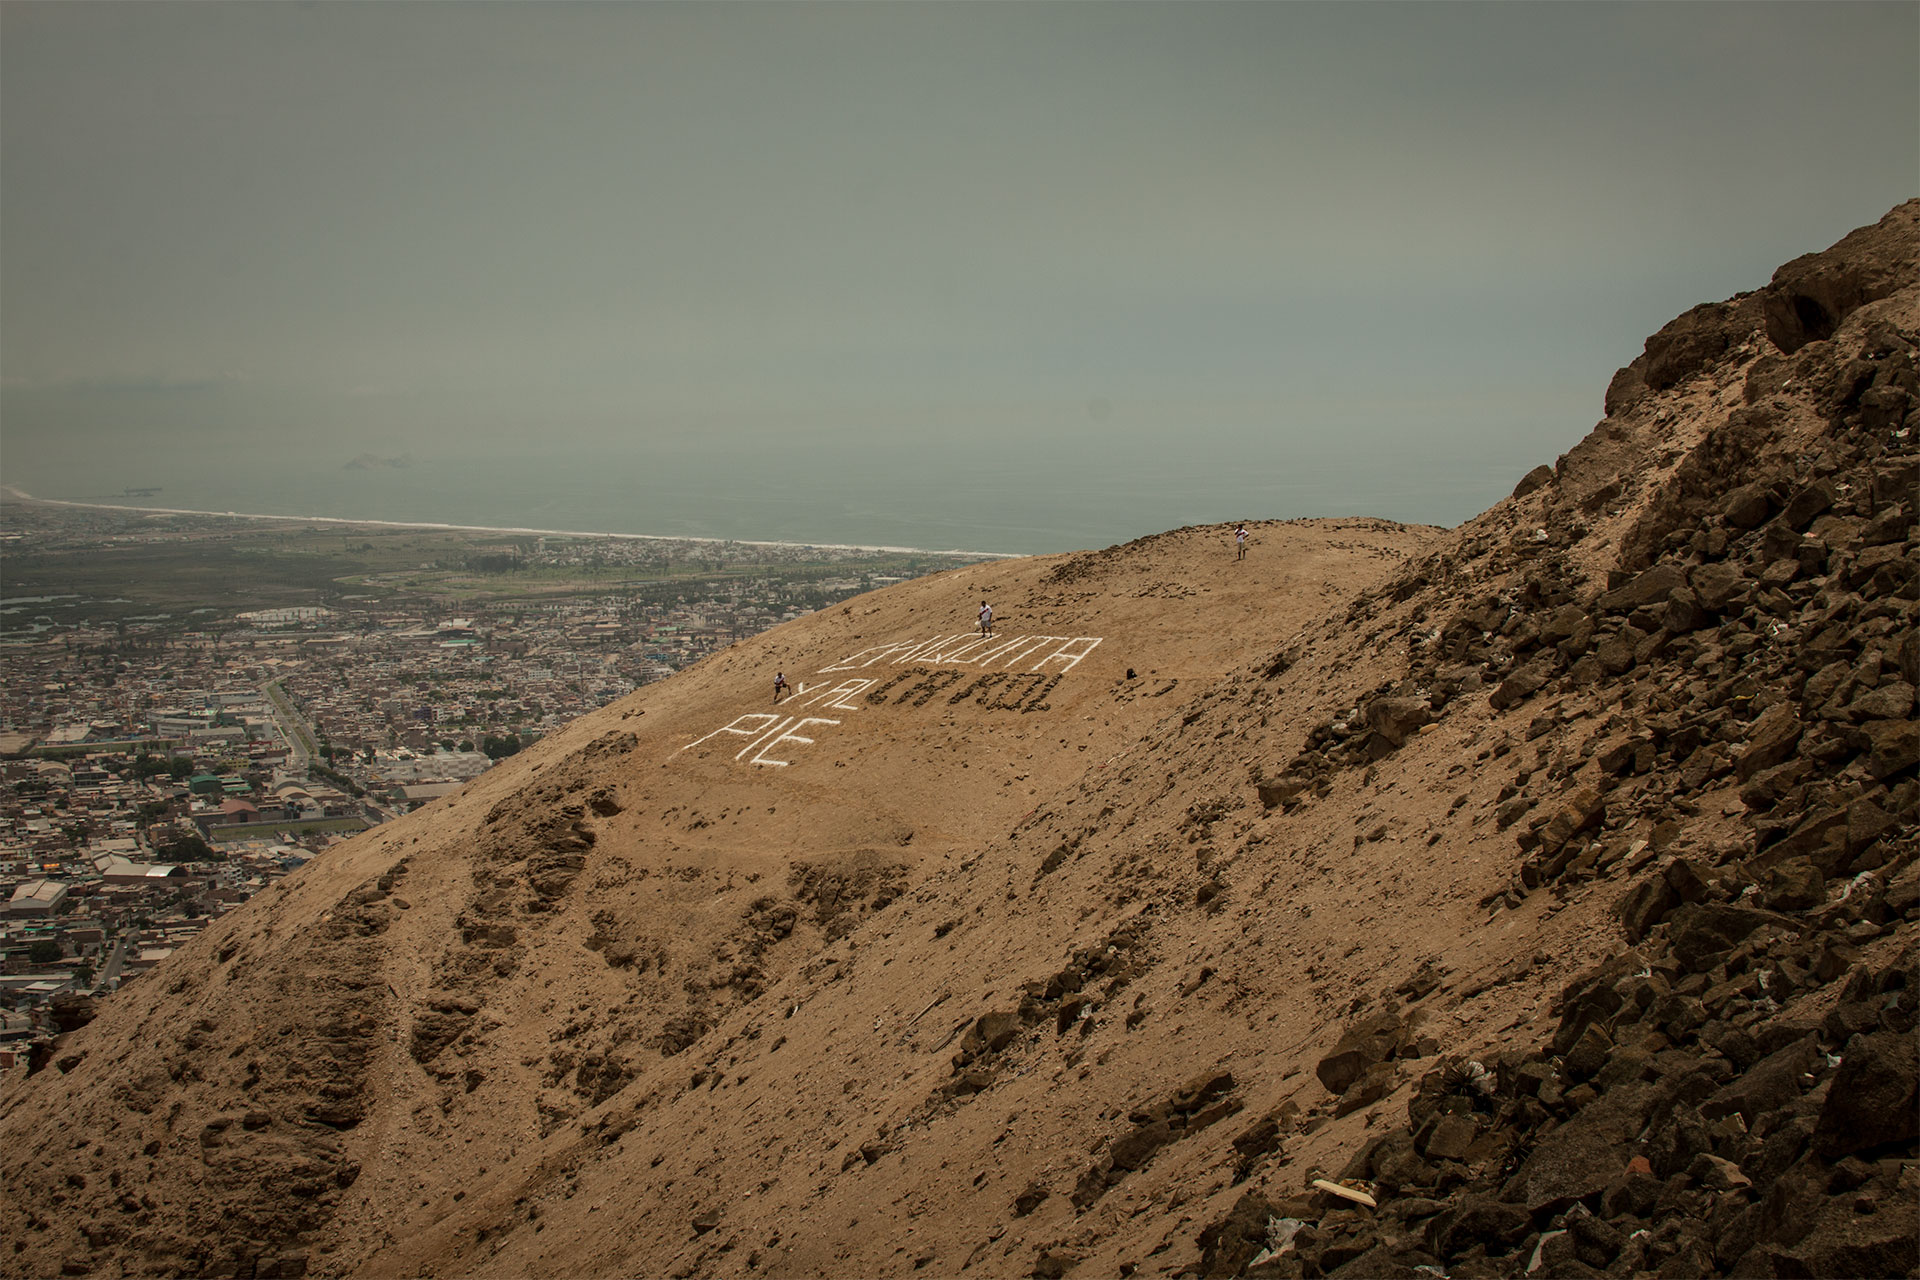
pixel 1084 949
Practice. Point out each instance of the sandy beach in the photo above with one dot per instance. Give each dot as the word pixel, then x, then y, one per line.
pixel 12 493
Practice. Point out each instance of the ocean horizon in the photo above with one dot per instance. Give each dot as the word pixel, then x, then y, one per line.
pixel 134 506
pixel 1008 501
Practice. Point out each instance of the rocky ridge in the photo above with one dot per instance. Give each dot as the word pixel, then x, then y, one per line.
pixel 1734 1091
pixel 1548 882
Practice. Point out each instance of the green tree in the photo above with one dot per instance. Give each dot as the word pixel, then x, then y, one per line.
pixel 185 848
pixel 43 951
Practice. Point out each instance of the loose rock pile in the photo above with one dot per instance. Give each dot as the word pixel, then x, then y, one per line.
pixel 1737 1090
pixel 1680 1123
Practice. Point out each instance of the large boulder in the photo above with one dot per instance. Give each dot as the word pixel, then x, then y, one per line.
pixel 1520 686
pixel 1651 587
pixel 1478 1220
pixel 1283 790
pixel 1582 809
pixel 1624 389
pixel 1747 507
pixel 990 1034
pixel 1132 1149
pixel 70 1010
pixel 1539 477
pixel 1582 1157
pixel 1820 838
pixel 1867 822
pixel 1227 1246
pixel 1563 623
pixel 1846 1243
pixel 1375 1083
pixel 1771 739
pixel 1701 931
pixel 1644 906
pixel 1372 1039
pixel 1889 745
pixel 1769 1084
pixel 1807 503
pixel 1684 612
pixel 1890 701
pixel 1716 586
pixel 1796 885
pixel 1874 1099
pixel 1396 718
pixel 1809 296
pixel 1697 339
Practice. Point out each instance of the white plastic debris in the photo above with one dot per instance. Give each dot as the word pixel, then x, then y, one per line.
pixel 1854 885
pixel 1533 1263
pixel 1280 1233
pixel 1478 1078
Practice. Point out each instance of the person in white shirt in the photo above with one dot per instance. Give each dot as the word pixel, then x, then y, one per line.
pixel 986 618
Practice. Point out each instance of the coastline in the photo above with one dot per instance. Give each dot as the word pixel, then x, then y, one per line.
pixel 13 493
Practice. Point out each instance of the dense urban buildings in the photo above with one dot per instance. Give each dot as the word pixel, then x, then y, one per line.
pixel 165 755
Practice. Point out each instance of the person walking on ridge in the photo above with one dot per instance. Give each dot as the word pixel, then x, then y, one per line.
pixel 986 618
pixel 1240 542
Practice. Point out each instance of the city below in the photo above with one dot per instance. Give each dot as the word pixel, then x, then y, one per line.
pixel 193 706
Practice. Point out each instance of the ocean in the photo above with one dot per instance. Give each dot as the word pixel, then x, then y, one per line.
pixel 1010 499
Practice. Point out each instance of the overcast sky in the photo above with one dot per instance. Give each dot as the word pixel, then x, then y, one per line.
pixel 1420 229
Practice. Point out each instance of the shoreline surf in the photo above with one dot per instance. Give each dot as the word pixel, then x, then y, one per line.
pixel 12 493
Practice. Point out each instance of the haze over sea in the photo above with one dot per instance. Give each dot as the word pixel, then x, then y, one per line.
pixel 1005 497
pixel 998 278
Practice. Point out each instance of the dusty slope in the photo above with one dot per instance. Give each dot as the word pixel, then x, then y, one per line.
pixel 1000 972
pixel 420 1005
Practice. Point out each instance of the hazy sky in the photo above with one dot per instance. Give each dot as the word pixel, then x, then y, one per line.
pixel 1413 239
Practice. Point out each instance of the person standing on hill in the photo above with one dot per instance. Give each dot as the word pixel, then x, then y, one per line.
pixel 986 618
pixel 1240 542
pixel 779 685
